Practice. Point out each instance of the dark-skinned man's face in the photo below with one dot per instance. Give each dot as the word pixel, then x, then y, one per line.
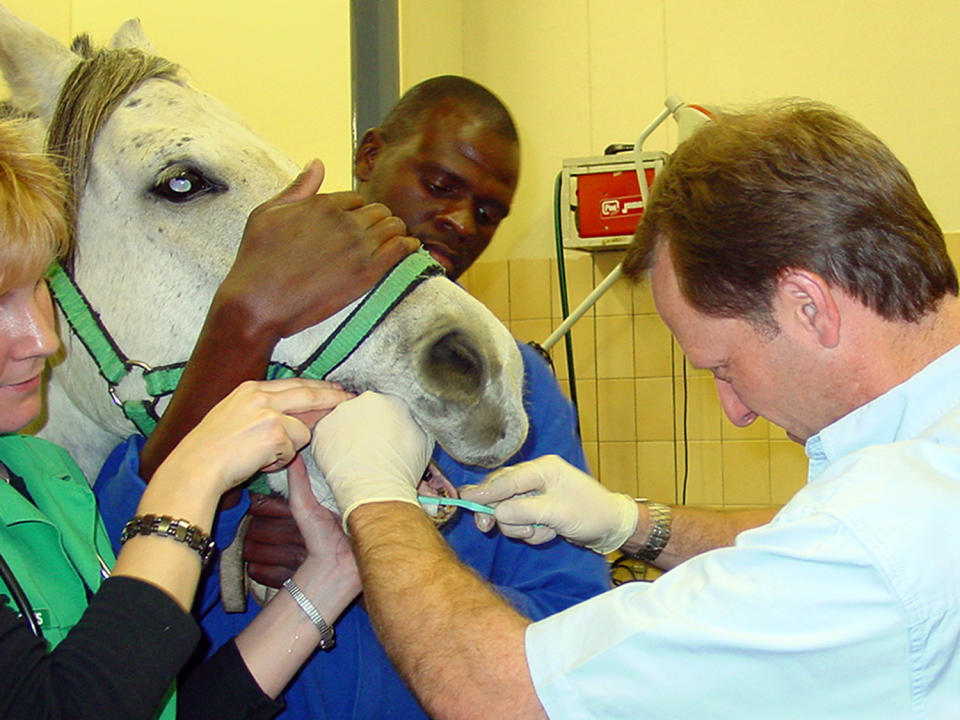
pixel 451 182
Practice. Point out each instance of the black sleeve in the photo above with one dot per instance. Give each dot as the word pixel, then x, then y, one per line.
pixel 203 694
pixel 118 662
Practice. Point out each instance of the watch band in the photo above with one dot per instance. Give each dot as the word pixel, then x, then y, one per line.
pixel 660 520
pixel 327 638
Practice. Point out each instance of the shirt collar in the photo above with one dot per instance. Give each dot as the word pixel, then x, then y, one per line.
pixel 900 413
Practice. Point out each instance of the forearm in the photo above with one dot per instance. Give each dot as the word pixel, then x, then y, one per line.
pixel 694 531
pixel 457 643
pixel 118 661
pixel 164 562
pixel 281 636
pixel 233 346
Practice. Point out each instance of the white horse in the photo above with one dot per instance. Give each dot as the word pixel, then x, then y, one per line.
pixel 164 177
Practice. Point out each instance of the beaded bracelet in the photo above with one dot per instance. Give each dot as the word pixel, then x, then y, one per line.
pixel 179 530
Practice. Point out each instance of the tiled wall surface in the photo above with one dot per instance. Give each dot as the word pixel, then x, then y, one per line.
pixel 650 425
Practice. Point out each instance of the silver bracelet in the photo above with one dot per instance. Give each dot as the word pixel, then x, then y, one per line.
pixel 327 639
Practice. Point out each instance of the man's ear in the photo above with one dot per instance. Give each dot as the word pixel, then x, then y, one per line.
pixel 368 150
pixel 806 299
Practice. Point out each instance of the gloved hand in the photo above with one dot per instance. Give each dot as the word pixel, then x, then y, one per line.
pixel 536 501
pixel 371 450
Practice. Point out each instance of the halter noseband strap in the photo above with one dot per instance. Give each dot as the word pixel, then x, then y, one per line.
pixel 114 365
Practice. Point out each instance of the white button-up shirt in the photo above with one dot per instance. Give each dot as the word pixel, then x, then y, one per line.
pixel 847 605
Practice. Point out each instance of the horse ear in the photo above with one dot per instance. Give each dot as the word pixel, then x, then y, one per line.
pixel 131 35
pixel 34 65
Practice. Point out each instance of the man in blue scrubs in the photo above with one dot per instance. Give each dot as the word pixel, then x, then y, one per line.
pixel 791 255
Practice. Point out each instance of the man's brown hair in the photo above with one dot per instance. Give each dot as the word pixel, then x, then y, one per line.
pixel 793 184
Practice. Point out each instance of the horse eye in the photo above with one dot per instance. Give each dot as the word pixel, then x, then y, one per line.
pixel 180 183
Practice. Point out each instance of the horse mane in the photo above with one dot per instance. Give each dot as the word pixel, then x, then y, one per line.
pixel 98 83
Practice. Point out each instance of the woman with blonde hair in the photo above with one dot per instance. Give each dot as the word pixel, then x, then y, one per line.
pixel 84 635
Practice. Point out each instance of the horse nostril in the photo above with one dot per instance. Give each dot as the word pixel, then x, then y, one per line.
pixel 454 369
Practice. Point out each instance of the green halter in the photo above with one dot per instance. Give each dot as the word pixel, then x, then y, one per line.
pixel 114 365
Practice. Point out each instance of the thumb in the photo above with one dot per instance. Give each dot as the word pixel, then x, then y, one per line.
pixel 298 482
pixel 484 522
pixel 304 185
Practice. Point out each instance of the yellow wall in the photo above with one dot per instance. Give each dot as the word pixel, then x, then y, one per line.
pixel 431 40
pixel 581 74
pixel 284 67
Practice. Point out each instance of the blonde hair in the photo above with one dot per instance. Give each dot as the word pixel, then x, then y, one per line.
pixel 33 225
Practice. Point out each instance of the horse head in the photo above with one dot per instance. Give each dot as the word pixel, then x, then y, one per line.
pixel 163 178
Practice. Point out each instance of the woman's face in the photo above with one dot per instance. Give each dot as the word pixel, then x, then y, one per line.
pixel 27 338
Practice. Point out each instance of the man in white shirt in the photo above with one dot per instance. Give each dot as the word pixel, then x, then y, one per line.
pixel 790 253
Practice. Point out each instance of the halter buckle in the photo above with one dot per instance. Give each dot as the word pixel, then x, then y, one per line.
pixel 112 387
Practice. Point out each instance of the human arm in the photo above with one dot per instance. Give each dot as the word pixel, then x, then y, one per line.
pixel 695 530
pixel 429 591
pixel 99 671
pixel 102 671
pixel 253 428
pixel 303 256
pixel 282 637
pixel 118 489
pixel 537 500
pixel 100 660
pixel 269 650
pixel 414 589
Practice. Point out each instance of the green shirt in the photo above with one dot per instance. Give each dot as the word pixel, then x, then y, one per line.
pixel 55 544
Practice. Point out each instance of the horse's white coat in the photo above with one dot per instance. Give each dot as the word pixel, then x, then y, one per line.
pixel 150 267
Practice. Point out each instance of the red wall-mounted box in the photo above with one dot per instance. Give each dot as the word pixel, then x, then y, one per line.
pixel 609 203
pixel 598 201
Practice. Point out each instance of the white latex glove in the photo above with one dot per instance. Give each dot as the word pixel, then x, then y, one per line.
pixel 536 501
pixel 370 449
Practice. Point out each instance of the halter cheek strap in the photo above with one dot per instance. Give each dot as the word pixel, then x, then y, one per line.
pixel 114 365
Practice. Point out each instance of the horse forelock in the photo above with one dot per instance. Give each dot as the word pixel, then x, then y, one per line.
pixel 91 93
pixel 82 45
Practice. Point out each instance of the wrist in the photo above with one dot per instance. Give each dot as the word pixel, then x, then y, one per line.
pixel 401 498
pixel 330 589
pixel 180 530
pixel 312 613
pixel 620 527
pixel 239 318
pixel 181 494
pixel 652 532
